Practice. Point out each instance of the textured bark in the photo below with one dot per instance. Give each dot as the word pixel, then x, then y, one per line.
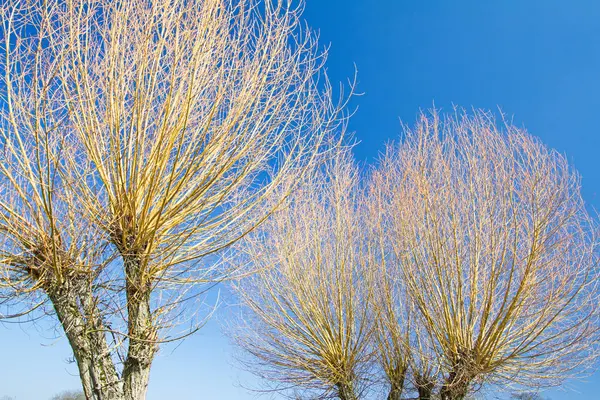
pixel 454 388
pixel 142 333
pixel 76 310
pixel 85 331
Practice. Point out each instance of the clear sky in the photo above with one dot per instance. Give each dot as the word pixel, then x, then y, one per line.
pixel 538 60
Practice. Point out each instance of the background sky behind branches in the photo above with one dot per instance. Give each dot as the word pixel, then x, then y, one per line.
pixel 538 60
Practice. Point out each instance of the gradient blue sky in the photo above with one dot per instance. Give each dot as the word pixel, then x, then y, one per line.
pixel 539 60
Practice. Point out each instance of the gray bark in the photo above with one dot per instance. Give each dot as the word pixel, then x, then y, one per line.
pixel 142 333
pixel 83 326
pixel 76 308
pixel 80 319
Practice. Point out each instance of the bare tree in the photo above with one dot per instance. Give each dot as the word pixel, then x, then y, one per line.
pixel 139 139
pixel 306 322
pixel 496 250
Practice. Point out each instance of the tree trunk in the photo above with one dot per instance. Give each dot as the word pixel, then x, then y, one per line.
pixel 394 394
pixel 454 388
pixel 396 388
pixel 424 384
pixel 83 326
pixel 142 333
pixel 81 321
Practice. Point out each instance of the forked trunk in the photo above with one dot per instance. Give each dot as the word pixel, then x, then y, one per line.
pixel 81 320
pixel 84 329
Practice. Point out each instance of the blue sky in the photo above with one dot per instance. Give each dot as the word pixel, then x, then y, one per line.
pixel 539 61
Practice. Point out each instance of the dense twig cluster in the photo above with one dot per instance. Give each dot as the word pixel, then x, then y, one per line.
pixel 308 325
pixel 469 245
pixel 140 139
pixel 137 140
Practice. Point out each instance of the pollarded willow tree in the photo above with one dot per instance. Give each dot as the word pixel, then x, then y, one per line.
pixel 138 139
pixel 496 250
pixel 306 325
